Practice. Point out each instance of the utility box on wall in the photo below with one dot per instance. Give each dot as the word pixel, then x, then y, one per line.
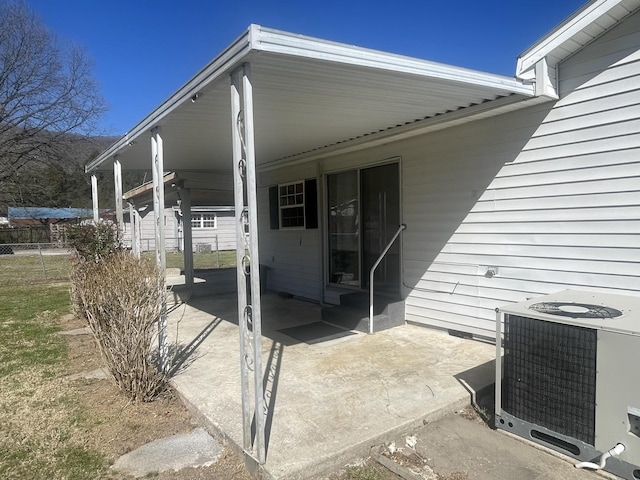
pixel 570 376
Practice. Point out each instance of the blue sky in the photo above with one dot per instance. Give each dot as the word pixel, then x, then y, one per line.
pixel 145 50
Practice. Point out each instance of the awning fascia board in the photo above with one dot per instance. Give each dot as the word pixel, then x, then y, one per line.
pixel 276 41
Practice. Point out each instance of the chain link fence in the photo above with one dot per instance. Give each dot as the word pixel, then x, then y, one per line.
pixel 26 263
pixel 201 260
pixel 210 252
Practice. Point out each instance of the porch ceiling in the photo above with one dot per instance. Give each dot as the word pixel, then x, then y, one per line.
pixel 309 96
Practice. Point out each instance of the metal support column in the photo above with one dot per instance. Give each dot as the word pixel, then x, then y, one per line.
pixel 248 263
pixel 117 180
pixel 94 197
pixel 158 214
pixel 187 231
pixel 135 238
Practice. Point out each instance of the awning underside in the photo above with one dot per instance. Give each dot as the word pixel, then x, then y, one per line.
pixel 301 105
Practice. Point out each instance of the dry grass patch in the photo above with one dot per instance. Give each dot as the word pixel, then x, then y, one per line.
pixel 57 428
pixel 43 422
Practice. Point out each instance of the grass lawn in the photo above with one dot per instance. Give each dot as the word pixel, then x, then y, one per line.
pixel 226 258
pixel 55 427
pixel 36 269
pixel 30 269
pixel 43 424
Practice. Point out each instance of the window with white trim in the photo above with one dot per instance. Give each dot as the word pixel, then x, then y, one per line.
pixel 204 220
pixel 294 206
pixel 291 201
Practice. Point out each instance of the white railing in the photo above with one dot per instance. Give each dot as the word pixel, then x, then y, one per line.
pixel 373 269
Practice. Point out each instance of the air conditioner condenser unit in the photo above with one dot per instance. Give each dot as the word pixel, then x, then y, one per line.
pixel 570 376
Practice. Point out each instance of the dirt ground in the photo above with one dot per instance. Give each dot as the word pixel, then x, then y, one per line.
pixel 121 426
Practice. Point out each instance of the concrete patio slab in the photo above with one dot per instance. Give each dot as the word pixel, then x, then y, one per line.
pixel 328 401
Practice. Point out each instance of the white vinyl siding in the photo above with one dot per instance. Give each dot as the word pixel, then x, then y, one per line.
pixel 223 236
pixel 147 230
pixel 548 195
pixel 294 256
pixel 562 213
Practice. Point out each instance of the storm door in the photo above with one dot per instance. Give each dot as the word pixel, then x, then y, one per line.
pixel 380 199
pixel 364 213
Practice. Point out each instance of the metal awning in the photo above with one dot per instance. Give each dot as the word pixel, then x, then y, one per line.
pixel 270 99
pixel 311 97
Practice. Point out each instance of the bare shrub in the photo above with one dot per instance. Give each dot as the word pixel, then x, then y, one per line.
pixel 120 296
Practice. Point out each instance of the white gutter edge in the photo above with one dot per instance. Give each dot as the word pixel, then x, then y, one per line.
pixel 276 41
pixel 583 17
pixel 220 65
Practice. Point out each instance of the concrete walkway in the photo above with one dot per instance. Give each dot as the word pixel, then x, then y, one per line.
pixel 329 400
pixel 454 444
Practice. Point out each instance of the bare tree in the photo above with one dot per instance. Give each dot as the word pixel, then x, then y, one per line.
pixel 49 99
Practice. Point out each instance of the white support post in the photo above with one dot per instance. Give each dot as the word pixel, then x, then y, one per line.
pixel 139 232
pixel 158 214
pixel 498 385
pixel 248 262
pixel 133 224
pixel 187 231
pixel 238 190
pixel 256 318
pixel 94 197
pixel 117 180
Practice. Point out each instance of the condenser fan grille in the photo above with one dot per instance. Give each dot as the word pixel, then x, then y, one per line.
pixel 550 375
pixel 575 310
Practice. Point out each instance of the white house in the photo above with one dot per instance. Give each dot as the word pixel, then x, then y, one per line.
pixel 213 229
pixel 212 226
pixel 509 187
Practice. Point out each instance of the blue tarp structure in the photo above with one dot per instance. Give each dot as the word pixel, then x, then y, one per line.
pixel 44 212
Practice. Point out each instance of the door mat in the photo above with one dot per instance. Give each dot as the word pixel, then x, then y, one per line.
pixel 315 332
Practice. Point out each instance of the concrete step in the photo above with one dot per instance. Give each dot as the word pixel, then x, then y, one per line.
pixel 382 304
pixel 353 313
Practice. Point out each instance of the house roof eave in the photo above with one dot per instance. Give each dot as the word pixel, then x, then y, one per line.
pixel 578 30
